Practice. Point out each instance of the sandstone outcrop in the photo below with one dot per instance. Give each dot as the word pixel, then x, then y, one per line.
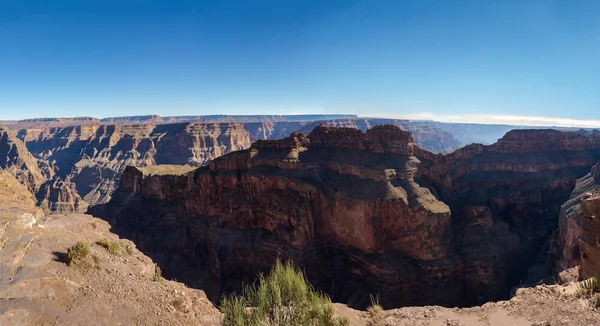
pixel 362 212
pixel 589 242
pixel 565 246
pixel 37 287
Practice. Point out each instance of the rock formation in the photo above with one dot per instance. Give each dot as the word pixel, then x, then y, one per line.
pixel 89 159
pixel 15 159
pixel 565 246
pixel 589 242
pixel 522 181
pixel 426 134
pixel 37 287
pixel 52 194
pixel 362 212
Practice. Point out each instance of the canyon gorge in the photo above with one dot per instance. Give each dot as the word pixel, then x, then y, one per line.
pixel 362 213
pixel 391 208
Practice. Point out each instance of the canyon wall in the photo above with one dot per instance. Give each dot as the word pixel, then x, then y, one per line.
pixel 362 212
pixel 39 176
pixel 565 241
pixel 589 242
pixel 90 158
pixel 341 203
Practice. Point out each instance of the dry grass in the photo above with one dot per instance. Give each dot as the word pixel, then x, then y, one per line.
pixel 375 312
pixel 96 261
pixel 157 274
pixel 113 247
pixel 77 252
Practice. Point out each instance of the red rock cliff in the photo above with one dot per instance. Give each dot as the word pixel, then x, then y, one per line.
pixel 341 203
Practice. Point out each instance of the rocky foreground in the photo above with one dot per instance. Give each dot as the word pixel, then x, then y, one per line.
pixel 37 287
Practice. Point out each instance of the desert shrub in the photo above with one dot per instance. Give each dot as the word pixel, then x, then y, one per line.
pixel 589 286
pixel 113 247
pixel 375 312
pixel 129 250
pixel 96 261
pixel 157 274
pixel 77 252
pixel 284 297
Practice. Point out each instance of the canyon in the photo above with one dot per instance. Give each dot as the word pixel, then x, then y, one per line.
pixel 83 158
pixel 390 208
pixel 363 213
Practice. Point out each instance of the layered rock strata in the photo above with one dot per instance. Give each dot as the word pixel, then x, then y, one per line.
pixel 565 241
pixel 52 194
pixel 90 158
pixel 589 243
pixel 369 210
pixel 341 203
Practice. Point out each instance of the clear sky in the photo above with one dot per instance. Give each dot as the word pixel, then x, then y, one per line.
pixel 416 58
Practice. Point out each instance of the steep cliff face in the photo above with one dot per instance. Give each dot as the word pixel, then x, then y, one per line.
pixel 351 208
pixel 92 158
pixel 38 176
pixel 565 246
pixel 341 203
pixel 589 242
pixel 15 159
pixel 522 180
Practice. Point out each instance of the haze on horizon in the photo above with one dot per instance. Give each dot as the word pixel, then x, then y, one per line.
pixel 530 62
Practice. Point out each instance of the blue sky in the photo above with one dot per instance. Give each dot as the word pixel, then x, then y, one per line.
pixel 416 58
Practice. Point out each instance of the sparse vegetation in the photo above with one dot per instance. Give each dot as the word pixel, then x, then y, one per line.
pixel 589 287
pixel 597 301
pixel 129 250
pixel 157 274
pixel 94 225
pixel 113 247
pixel 96 261
pixel 375 312
pixel 284 297
pixel 77 252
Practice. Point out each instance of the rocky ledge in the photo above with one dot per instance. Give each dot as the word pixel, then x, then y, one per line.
pixel 37 287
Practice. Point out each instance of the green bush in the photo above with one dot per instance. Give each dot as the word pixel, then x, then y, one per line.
pixel 77 252
pixel 284 297
pixel 113 247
